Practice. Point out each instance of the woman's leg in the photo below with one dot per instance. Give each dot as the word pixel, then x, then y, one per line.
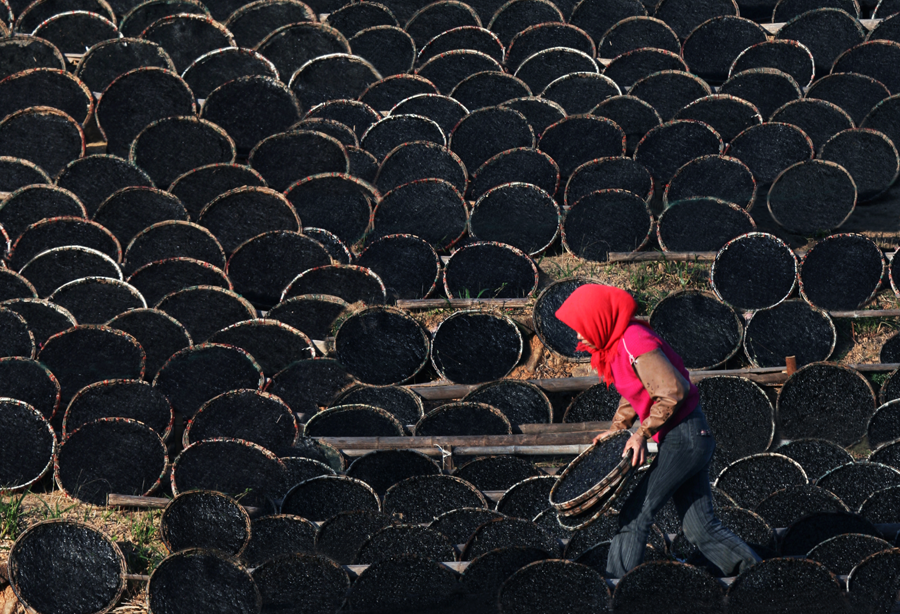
pixel 627 548
pixel 727 551
pixel 678 460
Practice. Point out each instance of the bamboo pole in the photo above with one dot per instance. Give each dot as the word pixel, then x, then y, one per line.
pixel 866 313
pixel 620 257
pixel 767 375
pixel 403 443
pixel 565 427
pixel 444 391
pixel 574 449
pixel 567 450
pixel 460 303
pixel 662 256
pixel 460 566
pixel 659 256
pixel 877 367
pixel 153 503
pixel 149 503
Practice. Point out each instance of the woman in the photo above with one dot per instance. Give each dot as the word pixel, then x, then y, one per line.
pixel 655 388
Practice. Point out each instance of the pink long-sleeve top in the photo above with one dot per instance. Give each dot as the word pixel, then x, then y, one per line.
pixel 637 340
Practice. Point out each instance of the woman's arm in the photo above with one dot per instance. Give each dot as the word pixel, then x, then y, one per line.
pixel 668 389
pixel 623 419
pixel 665 385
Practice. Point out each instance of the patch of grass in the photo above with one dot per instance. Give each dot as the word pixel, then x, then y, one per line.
pixel 884 240
pixel 54 512
pixel 644 285
pixel 241 495
pixel 651 282
pixel 567 267
pixel 143 528
pixel 872 327
pixel 687 275
pixel 143 532
pixel 860 450
pixel 467 294
pixel 11 516
pixel 878 379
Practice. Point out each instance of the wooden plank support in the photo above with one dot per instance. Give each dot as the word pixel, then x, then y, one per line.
pixel 657 256
pixel 621 257
pixel 767 375
pixel 566 450
pixel 462 442
pixel 438 392
pixel 153 503
pixel 522 303
pixel 866 313
pixel 462 303
pixel 660 256
pixel 441 392
pixel 460 566
pixel 790 364
pixel 885 367
pixel 534 450
pixel 149 503
pixel 564 427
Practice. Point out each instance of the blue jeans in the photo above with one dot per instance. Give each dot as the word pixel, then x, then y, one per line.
pixel 680 471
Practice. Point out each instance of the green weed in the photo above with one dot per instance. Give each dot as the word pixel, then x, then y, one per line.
pixel 56 511
pixel 879 379
pixel 11 516
pixel 143 531
pixel 465 293
pixel 568 268
pixel 650 283
pixel 240 496
pixel 871 327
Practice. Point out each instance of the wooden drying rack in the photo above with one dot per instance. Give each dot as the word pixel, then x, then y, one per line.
pixel 522 303
pixel 458 566
pixel 659 256
pixel 533 439
pixel 558 439
pixel 769 375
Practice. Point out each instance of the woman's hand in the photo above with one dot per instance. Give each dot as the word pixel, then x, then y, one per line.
pixel 600 436
pixel 638 445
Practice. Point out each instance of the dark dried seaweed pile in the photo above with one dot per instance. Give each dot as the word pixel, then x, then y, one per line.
pixel 591 468
pixel 83 569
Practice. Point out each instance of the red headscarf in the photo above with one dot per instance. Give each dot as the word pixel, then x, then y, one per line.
pixel 601 314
